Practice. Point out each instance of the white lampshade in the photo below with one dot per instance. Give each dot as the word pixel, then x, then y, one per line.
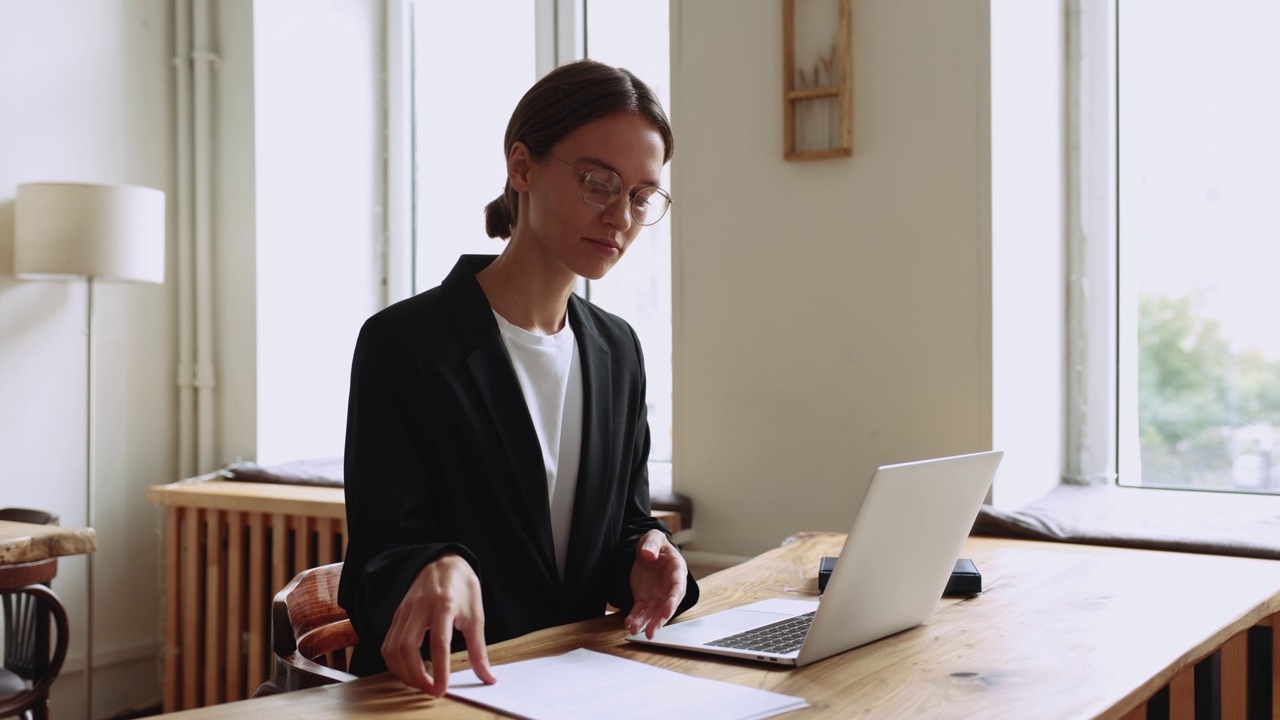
pixel 109 232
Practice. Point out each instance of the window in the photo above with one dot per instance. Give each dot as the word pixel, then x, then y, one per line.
pixel 472 63
pixel 459 165
pixel 634 35
pixel 1199 252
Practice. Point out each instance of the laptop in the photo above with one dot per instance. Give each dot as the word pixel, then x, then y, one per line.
pixel 906 537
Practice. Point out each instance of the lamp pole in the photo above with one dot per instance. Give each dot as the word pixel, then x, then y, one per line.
pixel 90 492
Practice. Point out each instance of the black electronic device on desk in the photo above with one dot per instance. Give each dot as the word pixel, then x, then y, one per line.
pixel 965 578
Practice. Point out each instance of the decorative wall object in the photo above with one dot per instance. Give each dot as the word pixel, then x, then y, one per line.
pixel 817 79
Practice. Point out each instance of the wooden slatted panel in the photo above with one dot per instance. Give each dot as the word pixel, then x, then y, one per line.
pixel 1234 676
pixel 325 530
pixel 279 556
pixel 257 645
pixel 214 632
pixel 191 609
pixel 1138 713
pixel 171 640
pixel 1182 695
pixel 1273 622
pixel 301 545
pixel 225 558
pixel 235 678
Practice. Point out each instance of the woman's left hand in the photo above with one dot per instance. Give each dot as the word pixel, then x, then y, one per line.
pixel 658 579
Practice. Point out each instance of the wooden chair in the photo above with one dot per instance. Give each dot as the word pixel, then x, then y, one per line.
pixel 311 637
pixel 32 660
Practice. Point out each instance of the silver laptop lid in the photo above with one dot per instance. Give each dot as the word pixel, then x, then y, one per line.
pixel 903 544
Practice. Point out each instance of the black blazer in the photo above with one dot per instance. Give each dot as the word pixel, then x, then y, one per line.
pixel 442 455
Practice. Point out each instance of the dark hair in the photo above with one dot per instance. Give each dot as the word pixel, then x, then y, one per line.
pixel 567 98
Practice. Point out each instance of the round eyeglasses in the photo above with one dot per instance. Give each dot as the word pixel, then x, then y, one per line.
pixel 602 188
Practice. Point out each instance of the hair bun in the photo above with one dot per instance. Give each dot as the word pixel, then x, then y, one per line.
pixel 497 218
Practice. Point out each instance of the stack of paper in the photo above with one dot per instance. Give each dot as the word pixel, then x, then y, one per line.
pixel 586 684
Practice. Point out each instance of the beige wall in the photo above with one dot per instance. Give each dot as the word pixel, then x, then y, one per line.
pixel 831 316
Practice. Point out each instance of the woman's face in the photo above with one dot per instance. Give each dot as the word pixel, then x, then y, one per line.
pixel 584 240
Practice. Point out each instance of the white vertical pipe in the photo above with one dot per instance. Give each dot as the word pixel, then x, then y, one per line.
pixel 186 312
pixel 204 370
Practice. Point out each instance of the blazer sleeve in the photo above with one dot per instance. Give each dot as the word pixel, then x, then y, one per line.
pixel 388 483
pixel 638 518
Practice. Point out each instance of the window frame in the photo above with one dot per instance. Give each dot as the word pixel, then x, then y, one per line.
pixel 1093 372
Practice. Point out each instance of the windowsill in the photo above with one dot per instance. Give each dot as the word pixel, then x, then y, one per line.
pixel 1153 519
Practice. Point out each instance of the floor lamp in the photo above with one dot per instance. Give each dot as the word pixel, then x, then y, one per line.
pixel 72 231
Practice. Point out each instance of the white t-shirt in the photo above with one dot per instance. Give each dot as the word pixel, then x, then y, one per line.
pixel 550 374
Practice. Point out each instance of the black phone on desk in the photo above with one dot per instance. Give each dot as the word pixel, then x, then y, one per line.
pixel 965 579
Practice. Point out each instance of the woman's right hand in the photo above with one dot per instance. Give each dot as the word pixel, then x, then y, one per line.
pixel 445 595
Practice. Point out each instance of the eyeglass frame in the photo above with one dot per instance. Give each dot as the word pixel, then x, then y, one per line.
pixel 629 192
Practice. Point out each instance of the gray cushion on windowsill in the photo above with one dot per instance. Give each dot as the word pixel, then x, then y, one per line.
pixel 1148 518
pixel 323 471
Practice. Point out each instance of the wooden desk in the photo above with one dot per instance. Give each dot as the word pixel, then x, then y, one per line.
pixel 25 542
pixel 229 546
pixel 1061 631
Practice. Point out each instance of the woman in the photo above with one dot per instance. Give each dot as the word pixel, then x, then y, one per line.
pixel 497 441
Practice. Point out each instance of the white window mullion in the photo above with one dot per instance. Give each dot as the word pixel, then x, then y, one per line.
pixel 1091 295
pixel 397 256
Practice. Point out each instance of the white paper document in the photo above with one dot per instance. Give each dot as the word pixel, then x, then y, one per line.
pixel 587 684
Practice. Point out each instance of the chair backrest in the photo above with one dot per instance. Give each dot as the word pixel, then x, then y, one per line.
pixel 311 636
pixel 28 515
pixel 28 650
pixel 32 660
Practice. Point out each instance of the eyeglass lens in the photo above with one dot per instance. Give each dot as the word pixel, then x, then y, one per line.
pixel 600 188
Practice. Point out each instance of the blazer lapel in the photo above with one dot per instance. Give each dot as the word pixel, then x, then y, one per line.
pixel 597 439
pixel 500 391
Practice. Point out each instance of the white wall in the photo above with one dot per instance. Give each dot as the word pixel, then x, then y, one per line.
pixel 834 315
pixel 87 97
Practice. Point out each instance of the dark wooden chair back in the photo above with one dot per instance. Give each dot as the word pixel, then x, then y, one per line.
pixel 32 656
pixel 311 636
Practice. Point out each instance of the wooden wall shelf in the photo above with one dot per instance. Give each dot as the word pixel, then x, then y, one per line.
pixel 818 79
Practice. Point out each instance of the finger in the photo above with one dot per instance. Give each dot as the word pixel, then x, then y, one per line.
pixel 441 642
pixel 661 617
pixel 479 656
pixel 638 617
pixel 657 613
pixel 651 545
pixel 477 651
pixel 400 653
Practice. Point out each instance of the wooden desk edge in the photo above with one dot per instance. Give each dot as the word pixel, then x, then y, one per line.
pixel 25 542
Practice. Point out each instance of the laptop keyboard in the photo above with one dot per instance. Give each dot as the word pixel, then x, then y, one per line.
pixel 781 637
